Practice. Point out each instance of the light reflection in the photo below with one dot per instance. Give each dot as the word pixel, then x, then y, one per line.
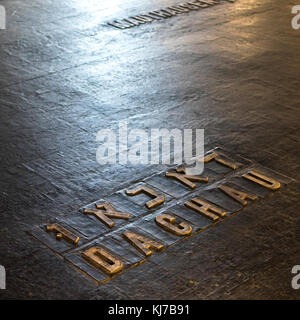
pixel 108 6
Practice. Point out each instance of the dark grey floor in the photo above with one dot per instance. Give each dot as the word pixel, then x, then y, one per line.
pixel 232 69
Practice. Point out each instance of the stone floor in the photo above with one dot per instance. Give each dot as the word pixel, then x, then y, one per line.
pixel 231 69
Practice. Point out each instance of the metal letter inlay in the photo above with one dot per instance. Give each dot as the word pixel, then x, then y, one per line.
pixel 62 233
pixel 103 260
pixel 208 210
pixel 158 198
pixel 119 24
pixel 239 196
pixel 200 5
pixel 217 158
pixel 189 5
pixel 167 222
pixel 262 180
pixel 105 212
pixel 160 14
pixel 186 179
pixel 141 243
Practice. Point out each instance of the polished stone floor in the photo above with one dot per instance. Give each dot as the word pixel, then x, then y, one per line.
pixel 231 69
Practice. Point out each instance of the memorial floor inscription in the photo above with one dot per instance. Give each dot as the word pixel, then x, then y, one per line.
pixel 111 235
pixel 164 13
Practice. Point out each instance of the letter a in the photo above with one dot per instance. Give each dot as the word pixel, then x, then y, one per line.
pixel 239 196
pixel 141 243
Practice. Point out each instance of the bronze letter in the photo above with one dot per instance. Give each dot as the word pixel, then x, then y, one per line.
pixel 262 180
pixel 198 4
pixel 208 210
pixel 62 233
pixel 179 9
pixel 160 14
pixel 239 196
pixel 167 222
pixel 133 22
pixel 186 179
pixel 188 5
pixel 217 158
pixel 158 198
pixel 102 259
pixel 120 24
pixel 143 18
pixel 106 211
pixel 141 243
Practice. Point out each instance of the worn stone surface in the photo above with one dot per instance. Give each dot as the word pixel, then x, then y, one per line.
pixel 232 69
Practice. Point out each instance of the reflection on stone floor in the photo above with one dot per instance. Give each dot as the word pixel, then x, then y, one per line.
pixel 65 74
